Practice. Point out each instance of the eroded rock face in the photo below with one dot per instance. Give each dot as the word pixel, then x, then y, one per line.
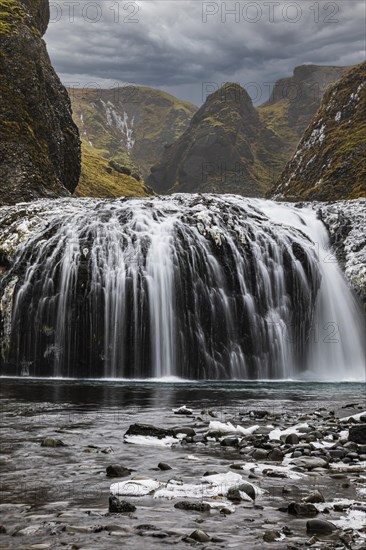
pixel 39 143
pixel 330 161
pixel 345 221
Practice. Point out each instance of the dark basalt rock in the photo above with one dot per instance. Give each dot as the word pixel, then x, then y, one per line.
pixel 357 434
pixel 116 470
pixel 147 430
pixel 200 536
pixel 164 466
pixel 302 509
pixel 192 506
pixel 271 535
pixel 320 527
pixel 118 506
pixel 39 142
pixel 51 442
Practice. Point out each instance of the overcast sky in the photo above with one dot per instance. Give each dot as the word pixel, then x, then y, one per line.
pixel 189 47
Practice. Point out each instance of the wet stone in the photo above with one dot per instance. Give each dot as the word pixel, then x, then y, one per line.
pixel 259 454
pixel 118 506
pixel 276 455
pixel 314 497
pixel 116 470
pixel 200 536
pixel 271 535
pixel 290 439
pixel 319 527
pixel 302 509
pixel 192 506
pixel 164 466
pixel 51 442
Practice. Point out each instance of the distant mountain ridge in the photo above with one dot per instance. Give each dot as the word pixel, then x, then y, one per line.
pixel 233 147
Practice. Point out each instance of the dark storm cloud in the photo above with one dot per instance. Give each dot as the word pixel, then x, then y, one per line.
pixel 178 45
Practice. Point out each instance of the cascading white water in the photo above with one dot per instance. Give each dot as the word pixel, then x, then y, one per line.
pixel 337 338
pixel 195 286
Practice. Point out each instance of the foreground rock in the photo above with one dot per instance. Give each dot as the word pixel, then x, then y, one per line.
pixel 39 142
pixel 358 434
pixel 320 527
pixel 302 509
pixel 146 430
pixel 116 470
pixel 118 506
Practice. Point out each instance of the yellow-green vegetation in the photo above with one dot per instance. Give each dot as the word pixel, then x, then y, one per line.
pixel 330 162
pixel 153 119
pixel 11 15
pixel 99 179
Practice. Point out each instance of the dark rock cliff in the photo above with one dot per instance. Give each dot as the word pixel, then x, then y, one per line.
pixel 39 142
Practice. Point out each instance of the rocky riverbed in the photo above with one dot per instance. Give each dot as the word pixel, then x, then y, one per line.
pixel 103 465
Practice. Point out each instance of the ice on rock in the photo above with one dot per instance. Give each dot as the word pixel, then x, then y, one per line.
pixel 149 440
pixel 227 428
pixel 211 487
pixel 135 487
pixel 276 433
pixel 182 410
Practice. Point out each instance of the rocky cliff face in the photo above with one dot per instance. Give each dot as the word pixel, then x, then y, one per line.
pixel 226 149
pixel 330 161
pixel 130 124
pixel 346 221
pixel 295 100
pixel 39 143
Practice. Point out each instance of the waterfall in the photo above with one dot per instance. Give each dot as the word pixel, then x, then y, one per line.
pixel 193 286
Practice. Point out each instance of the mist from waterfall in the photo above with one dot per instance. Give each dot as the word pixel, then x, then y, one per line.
pixel 194 286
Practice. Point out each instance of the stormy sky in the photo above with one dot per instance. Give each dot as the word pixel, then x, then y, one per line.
pixel 190 47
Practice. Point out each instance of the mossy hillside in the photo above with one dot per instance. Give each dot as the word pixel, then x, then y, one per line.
pixel 154 117
pixel 330 161
pixel 226 149
pixel 100 179
pixel 12 15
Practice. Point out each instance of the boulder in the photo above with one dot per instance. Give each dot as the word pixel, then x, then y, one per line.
pixel 118 506
pixel 116 470
pixel 357 434
pixel 320 527
pixel 302 509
